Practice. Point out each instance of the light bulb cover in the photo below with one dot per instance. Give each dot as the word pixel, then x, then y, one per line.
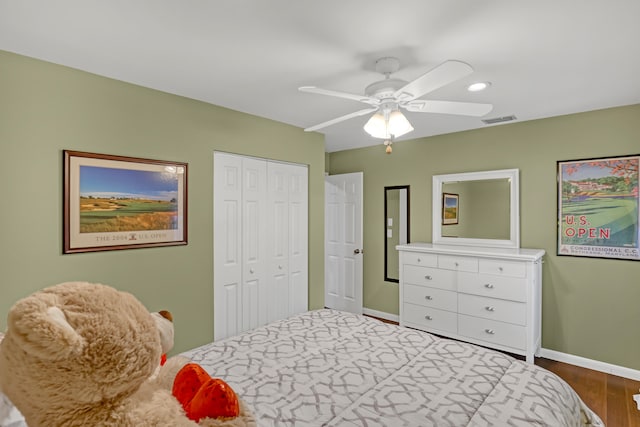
pixel 395 126
pixel 398 124
pixel 376 126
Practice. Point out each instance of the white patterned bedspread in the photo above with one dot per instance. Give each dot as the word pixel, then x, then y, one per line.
pixel 329 368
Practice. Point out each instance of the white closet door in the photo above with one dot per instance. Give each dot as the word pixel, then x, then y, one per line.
pixel 298 239
pixel 254 222
pixel 287 248
pixel 278 242
pixel 227 274
pixel 260 242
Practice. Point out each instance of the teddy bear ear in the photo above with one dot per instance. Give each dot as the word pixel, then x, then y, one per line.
pixel 164 323
pixel 41 328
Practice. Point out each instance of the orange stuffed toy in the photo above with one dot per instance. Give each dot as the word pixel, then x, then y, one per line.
pixel 202 396
pixel 207 401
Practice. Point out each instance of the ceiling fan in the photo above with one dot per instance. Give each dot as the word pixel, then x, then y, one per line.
pixel 386 97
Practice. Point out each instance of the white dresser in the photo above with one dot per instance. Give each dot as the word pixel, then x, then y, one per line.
pixel 486 296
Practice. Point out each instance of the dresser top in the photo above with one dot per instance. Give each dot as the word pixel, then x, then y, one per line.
pixel 478 251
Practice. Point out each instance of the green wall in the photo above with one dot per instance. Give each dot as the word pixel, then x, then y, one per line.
pixel 46 108
pixel 590 306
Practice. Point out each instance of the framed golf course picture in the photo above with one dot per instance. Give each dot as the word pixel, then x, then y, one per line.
pixel 116 202
pixel 598 204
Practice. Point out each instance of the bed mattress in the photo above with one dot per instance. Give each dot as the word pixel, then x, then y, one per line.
pixel 330 368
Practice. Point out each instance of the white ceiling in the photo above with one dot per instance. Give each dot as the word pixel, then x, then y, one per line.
pixel 544 58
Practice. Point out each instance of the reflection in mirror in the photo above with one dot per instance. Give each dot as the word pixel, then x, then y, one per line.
pixel 482 209
pixel 396 228
pixel 487 209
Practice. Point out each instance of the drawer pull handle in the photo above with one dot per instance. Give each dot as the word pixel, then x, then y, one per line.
pixel 490 331
pixel 428 277
pixel 500 269
pixel 456 264
pixel 489 308
pixel 488 286
pixel 428 297
pixel 251 270
pixel 419 260
pixel 428 317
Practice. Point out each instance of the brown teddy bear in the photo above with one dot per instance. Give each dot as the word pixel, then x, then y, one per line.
pixel 83 354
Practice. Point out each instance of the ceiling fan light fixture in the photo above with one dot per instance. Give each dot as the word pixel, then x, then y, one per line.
pixel 376 126
pixel 394 126
pixel 398 124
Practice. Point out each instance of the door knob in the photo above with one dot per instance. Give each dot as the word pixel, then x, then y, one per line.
pixel 356 251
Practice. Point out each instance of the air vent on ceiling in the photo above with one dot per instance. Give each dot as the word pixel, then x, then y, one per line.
pixel 499 120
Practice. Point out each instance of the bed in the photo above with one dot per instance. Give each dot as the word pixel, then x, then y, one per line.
pixel 330 368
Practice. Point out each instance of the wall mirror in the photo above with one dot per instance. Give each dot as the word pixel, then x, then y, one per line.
pixel 477 208
pixel 396 228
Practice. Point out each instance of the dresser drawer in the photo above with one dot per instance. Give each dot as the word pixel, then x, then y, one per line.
pixel 425 260
pixel 491 308
pixel 506 334
pixel 458 263
pixel 431 297
pixel 427 276
pixel 503 267
pixel 510 288
pixel 430 318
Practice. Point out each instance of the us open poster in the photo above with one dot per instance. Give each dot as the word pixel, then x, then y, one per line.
pixel 598 212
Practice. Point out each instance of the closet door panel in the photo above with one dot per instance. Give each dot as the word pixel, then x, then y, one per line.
pixel 278 246
pixel 298 239
pixel 229 321
pixel 227 245
pixel 254 224
pixel 250 304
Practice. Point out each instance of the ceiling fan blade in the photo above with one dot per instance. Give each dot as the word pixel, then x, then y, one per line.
pixel 448 107
pixel 442 75
pixel 346 95
pixel 341 119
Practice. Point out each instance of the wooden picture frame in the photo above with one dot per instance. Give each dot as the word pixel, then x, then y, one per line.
pixel 598 207
pixel 115 202
pixel 450 208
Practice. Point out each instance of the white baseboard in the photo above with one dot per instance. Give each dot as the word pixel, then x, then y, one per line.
pixel 381 314
pixel 596 365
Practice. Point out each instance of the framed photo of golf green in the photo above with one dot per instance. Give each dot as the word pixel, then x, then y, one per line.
pixel 598 207
pixel 116 202
pixel 450 208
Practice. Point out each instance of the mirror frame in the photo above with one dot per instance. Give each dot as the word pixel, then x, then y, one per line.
pixel 408 218
pixel 514 229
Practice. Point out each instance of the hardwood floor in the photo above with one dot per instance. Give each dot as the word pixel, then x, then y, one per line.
pixel 609 396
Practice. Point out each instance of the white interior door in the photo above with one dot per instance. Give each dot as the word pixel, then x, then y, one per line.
pixel 343 242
